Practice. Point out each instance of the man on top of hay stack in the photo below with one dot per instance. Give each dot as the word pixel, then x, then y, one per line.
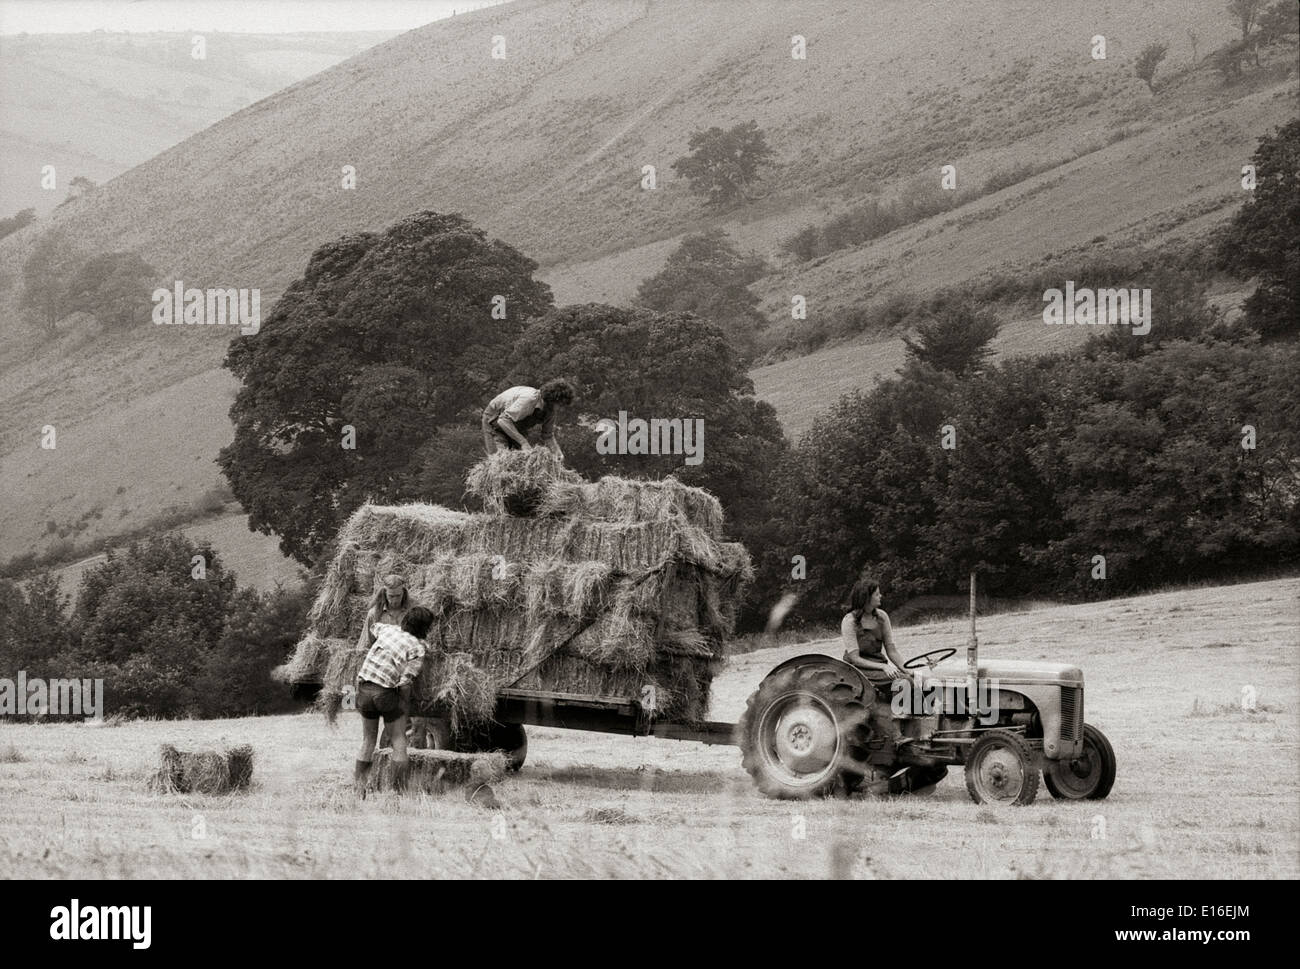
pixel 510 415
pixel 384 689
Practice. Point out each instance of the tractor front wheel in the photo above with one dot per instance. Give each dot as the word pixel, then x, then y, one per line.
pixel 1089 776
pixel 805 731
pixel 1001 769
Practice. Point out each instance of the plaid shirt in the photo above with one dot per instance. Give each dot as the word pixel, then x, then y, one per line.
pixel 395 658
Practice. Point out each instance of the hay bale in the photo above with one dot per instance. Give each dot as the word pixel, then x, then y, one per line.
pixel 615 499
pixel 203 771
pixel 453 684
pixel 435 771
pixel 239 762
pixel 516 482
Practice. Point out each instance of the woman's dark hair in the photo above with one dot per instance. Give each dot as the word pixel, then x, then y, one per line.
pixel 860 597
pixel 558 391
pixel 418 622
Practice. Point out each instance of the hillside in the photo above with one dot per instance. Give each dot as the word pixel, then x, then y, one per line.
pixel 97 104
pixel 545 148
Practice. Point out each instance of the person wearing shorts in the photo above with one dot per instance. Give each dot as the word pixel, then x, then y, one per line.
pixel 384 691
pixel 511 414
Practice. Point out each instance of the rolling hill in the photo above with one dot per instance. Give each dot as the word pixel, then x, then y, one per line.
pixel 97 104
pixel 545 149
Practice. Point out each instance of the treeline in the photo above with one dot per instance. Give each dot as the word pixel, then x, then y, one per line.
pixel 166 627
pixel 1078 475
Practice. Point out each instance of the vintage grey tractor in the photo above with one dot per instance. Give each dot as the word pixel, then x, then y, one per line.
pixel 815 726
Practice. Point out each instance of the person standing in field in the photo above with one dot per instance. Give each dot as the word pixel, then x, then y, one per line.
pixel 384 690
pixel 391 602
pixel 511 414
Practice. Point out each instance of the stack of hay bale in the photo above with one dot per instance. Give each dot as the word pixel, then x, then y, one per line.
pixel 564 585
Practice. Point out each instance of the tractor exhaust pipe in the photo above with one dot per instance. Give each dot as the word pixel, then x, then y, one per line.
pixel 972 655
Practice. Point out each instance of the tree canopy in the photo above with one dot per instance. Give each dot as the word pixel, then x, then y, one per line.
pixel 1263 239
pixel 708 276
pixel 723 164
pixel 386 338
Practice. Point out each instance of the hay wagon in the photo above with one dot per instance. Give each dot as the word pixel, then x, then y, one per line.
pixel 585 605
pixel 605 605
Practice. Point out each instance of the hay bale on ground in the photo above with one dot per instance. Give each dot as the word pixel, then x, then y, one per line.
pixel 435 771
pixel 203 771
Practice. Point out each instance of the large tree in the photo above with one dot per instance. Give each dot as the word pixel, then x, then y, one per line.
pixel 1263 239
pixel 34 629
pixel 708 276
pixel 723 164
pixel 53 261
pixel 114 288
pixel 956 340
pixel 386 338
pixel 166 596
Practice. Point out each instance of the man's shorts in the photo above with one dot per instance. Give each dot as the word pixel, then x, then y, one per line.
pixel 495 439
pixel 375 701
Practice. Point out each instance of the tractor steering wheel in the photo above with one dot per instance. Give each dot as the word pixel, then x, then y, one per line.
pixel 915 662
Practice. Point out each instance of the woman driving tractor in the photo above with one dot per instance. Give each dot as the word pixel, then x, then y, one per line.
pixel 869 645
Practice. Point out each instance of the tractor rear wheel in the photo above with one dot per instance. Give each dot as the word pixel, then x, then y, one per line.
pixel 1090 776
pixel 1001 769
pixel 805 731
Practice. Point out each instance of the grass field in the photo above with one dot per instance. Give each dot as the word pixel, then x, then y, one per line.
pixel 1205 789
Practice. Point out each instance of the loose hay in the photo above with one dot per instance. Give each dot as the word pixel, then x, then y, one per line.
pixel 310 660
pixel 435 771
pixel 203 772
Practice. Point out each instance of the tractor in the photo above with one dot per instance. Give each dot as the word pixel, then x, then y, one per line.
pixel 813 728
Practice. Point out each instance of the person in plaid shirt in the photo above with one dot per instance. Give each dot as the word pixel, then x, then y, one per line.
pixel 384 690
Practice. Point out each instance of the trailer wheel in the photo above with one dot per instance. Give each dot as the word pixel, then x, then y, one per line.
pixel 805 732
pixel 1001 769
pixel 1090 776
pixel 512 740
pixel 509 738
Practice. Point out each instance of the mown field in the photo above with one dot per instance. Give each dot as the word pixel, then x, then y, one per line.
pixel 1205 788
